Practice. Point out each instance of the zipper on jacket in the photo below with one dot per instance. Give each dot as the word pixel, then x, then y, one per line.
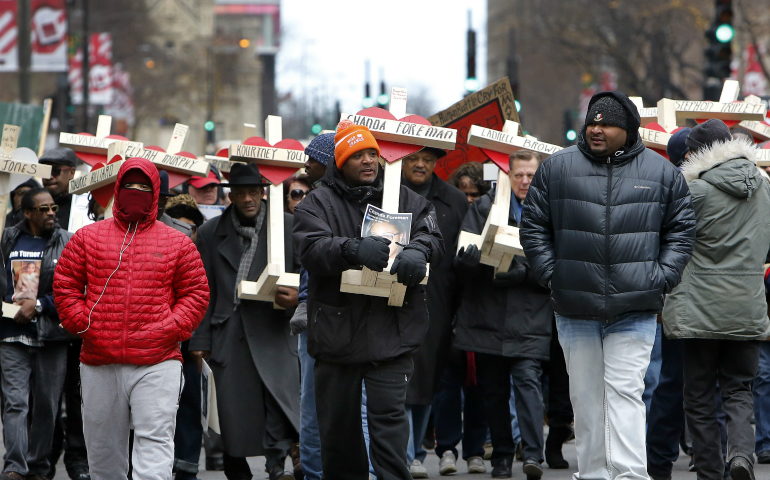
pixel 607 238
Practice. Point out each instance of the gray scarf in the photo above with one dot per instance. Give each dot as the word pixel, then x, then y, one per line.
pixel 249 237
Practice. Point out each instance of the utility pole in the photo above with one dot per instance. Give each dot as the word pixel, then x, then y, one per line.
pixel 25 50
pixel 86 42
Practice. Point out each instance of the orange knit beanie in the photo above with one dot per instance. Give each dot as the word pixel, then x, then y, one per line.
pixel 351 138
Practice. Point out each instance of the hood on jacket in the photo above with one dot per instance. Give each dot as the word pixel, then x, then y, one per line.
pixel 730 166
pixel 633 145
pixel 149 169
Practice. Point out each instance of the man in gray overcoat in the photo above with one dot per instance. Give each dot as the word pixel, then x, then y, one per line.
pixel 251 353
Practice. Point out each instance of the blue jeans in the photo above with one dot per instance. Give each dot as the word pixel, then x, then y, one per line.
pixel 606 363
pixel 514 417
pixel 309 438
pixel 418 425
pixel 762 400
pixel 365 425
pixel 652 377
pixel 458 414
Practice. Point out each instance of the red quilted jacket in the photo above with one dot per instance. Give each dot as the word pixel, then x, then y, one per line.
pixel 154 300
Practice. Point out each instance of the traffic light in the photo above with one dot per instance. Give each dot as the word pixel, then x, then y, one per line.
pixel 316 128
pixel 210 134
pixel 382 98
pixel 368 100
pixel 719 52
pixel 569 133
pixel 471 82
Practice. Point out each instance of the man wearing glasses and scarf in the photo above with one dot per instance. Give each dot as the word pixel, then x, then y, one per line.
pixel 62 161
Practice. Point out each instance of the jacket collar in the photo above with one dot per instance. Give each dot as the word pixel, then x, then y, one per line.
pixel 717 154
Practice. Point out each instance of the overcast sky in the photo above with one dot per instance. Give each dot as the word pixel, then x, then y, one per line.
pixel 418 44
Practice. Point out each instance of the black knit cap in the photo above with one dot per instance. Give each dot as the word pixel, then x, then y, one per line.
pixel 708 132
pixel 609 111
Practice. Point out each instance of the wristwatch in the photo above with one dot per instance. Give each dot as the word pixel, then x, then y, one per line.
pixel 39 307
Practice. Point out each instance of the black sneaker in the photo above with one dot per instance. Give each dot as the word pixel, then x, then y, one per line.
pixel 278 473
pixel 501 468
pixel 741 469
pixel 763 457
pixel 532 469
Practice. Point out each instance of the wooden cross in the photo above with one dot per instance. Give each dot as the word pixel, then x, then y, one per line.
pixel 758 129
pixel 498 241
pixel 16 161
pixel 394 129
pixel 170 160
pixel 85 143
pixel 274 275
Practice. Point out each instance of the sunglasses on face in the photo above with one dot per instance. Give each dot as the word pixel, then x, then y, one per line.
pixel 56 171
pixel 45 208
pixel 297 194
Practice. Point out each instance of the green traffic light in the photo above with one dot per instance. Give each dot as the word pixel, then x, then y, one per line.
pixel 368 102
pixel 316 129
pixel 518 105
pixel 471 84
pixel 209 126
pixel 725 33
pixel 571 135
pixel 382 99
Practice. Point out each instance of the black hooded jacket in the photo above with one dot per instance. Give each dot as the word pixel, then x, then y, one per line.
pixel 346 327
pixel 609 235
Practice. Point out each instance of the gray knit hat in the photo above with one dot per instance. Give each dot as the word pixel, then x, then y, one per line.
pixel 607 110
pixel 708 132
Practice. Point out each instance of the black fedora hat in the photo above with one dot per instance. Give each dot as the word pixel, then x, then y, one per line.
pixel 246 174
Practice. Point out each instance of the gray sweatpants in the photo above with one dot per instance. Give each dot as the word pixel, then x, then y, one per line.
pixel 117 398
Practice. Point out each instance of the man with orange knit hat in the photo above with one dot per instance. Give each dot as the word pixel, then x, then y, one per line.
pixel 356 338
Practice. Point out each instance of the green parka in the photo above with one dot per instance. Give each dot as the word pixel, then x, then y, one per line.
pixel 722 294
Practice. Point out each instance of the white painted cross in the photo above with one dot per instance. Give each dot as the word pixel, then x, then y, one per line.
pixel 16 163
pixel 382 284
pixel 759 130
pixel 103 176
pixel 87 144
pixel 498 241
pixel 274 275
pixel 170 160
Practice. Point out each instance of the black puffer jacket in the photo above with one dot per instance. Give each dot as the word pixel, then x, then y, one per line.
pixel 512 321
pixel 609 235
pixel 346 327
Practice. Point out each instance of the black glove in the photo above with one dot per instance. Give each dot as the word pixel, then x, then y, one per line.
pixel 468 257
pixel 298 322
pixel 515 276
pixel 410 267
pixel 371 252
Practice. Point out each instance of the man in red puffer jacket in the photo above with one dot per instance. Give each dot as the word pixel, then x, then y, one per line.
pixel 132 288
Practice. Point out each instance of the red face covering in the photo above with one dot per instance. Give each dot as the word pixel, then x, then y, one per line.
pixel 134 205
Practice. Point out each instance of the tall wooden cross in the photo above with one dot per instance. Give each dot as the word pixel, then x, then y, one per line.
pixel 498 241
pixel 86 143
pixel 180 165
pixel 393 126
pixel 278 159
pixel 15 163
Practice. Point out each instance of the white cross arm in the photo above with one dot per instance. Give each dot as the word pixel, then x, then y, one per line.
pixel 96 178
pixel 654 139
pixel 9 165
pixel 222 163
pixel 506 142
pixel 687 109
pixel 758 129
pixel 763 157
pixel 88 144
pixel 182 164
pixel 406 132
pixel 280 157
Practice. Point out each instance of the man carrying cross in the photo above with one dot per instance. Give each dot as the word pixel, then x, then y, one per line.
pixel 63 162
pixel 357 337
pixel 607 225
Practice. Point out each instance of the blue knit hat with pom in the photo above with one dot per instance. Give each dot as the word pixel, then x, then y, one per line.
pixel 321 148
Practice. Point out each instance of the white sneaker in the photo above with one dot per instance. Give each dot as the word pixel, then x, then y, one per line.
pixel 417 470
pixel 476 465
pixel 447 464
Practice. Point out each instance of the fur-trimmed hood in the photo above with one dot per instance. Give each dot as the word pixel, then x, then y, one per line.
pixel 729 166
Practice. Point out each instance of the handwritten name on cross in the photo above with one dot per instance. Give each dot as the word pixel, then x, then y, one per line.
pixel 87 144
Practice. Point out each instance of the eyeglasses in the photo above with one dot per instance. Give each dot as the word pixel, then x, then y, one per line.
pixel 138 186
pixel 45 208
pixel 56 171
pixel 388 236
pixel 297 194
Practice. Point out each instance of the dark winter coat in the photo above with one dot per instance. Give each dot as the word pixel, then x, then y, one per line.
pixel 609 235
pixel 252 350
pixel 347 327
pixel 512 321
pixel 442 293
pixel 47 324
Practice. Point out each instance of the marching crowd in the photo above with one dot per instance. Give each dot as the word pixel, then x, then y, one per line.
pixel 633 324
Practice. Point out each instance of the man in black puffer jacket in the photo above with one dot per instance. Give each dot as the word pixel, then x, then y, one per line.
pixel 609 227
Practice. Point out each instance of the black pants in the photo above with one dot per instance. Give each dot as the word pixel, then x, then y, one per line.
pixel 734 364
pixel 189 431
pixel 338 404
pixel 494 373
pixel 69 431
pixel 559 405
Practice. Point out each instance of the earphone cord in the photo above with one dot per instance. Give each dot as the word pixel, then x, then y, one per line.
pixel 120 259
